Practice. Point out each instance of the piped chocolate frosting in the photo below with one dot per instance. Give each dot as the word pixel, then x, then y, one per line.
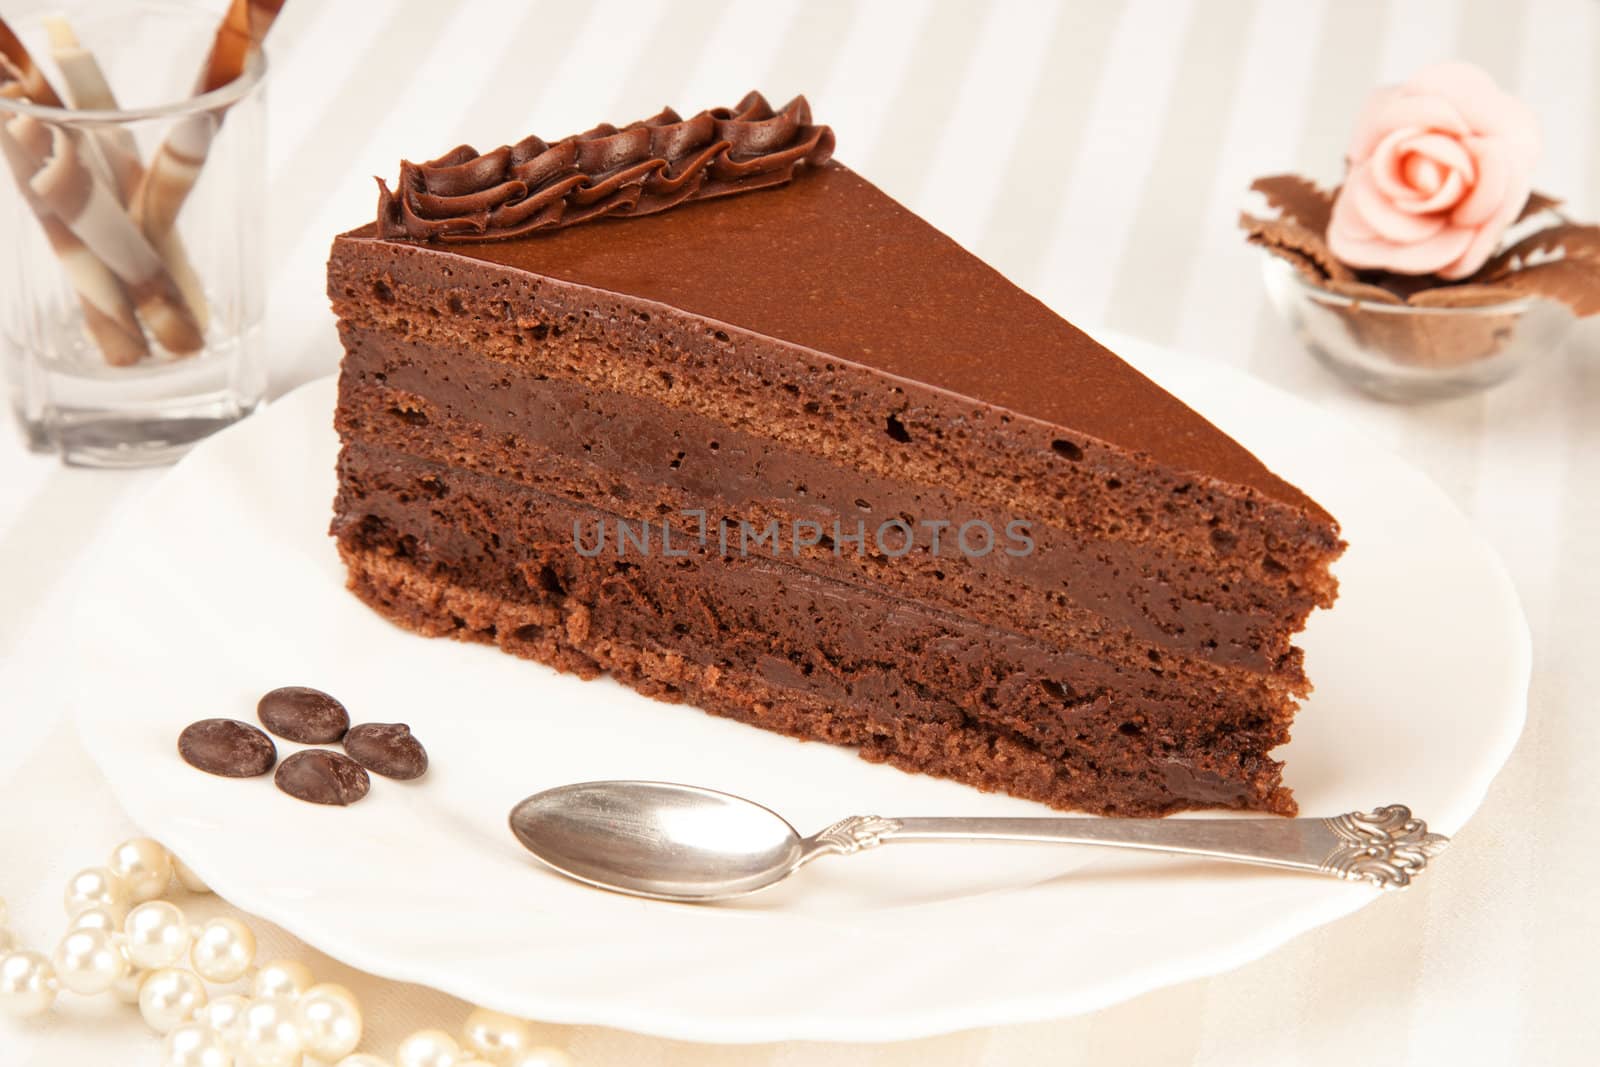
pixel 639 169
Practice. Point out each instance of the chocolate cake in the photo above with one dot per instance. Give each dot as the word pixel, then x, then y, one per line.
pixel 693 404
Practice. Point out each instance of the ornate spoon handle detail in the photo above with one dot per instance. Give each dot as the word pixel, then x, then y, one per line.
pixel 1386 847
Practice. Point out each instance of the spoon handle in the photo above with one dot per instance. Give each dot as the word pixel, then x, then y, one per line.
pixel 1387 847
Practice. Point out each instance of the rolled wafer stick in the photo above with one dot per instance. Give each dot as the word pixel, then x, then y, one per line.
pixel 57 176
pixel 85 86
pixel 107 313
pixel 176 166
pixel 243 29
pixel 25 71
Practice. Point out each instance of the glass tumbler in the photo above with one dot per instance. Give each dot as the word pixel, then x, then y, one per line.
pixel 131 287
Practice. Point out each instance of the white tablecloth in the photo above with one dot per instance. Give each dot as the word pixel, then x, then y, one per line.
pixel 1095 152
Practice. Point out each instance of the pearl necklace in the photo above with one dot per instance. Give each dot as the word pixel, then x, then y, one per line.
pixel 125 940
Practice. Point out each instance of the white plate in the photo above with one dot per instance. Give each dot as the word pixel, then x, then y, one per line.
pixel 222 583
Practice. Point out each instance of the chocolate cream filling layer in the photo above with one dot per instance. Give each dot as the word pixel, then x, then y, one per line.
pixel 794 630
pixel 668 473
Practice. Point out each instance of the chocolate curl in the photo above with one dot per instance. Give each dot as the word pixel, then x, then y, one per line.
pixel 57 176
pixel 113 150
pixel 176 166
pixel 107 314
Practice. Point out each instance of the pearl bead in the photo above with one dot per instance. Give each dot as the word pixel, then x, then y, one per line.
pixel 168 997
pixel 144 867
pixel 330 1021
pixel 283 978
pixel 158 935
pixel 428 1048
pixel 96 919
pixel 223 950
pixel 126 988
pixel 88 962
pixel 363 1059
pixel 187 878
pixel 270 1037
pixel 493 1035
pixel 225 1015
pixel 27 984
pixel 195 1045
pixel 97 887
pixel 543 1056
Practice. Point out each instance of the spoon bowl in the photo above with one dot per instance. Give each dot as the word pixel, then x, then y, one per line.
pixel 658 839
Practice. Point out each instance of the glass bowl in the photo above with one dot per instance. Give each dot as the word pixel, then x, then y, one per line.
pixel 1403 353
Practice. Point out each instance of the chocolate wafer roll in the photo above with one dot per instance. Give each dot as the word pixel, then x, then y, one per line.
pixel 114 149
pixel 176 165
pixel 56 174
pixel 107 312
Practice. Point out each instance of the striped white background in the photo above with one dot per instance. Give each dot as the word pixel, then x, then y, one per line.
pixel 1096 153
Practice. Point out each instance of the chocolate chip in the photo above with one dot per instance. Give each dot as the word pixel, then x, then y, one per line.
pixel 302 714
pixel 227 747
pixel 387 749
pixel 323 777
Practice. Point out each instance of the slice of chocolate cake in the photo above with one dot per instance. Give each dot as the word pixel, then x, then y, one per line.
pixel 690 403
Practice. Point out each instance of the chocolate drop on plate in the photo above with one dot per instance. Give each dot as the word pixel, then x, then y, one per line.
pixel 300 713
pixel 387 749
pixel 227 747
pixel 322 777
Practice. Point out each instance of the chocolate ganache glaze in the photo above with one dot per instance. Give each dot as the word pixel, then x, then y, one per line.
pixel 640 169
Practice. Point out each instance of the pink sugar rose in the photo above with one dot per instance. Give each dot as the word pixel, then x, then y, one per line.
pixel 1438 169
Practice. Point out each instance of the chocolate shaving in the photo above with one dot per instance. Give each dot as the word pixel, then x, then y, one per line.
pixel 1572 281
pixel 1537 202
pixel 640 169
pixel 1301 246
pixel 1373 294
pixel 1298 199
pixel 1560 262
pixel 1570 239
pixel 1462 296
pixel 1303 264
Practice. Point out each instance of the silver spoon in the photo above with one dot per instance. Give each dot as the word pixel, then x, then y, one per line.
pixel 682 842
